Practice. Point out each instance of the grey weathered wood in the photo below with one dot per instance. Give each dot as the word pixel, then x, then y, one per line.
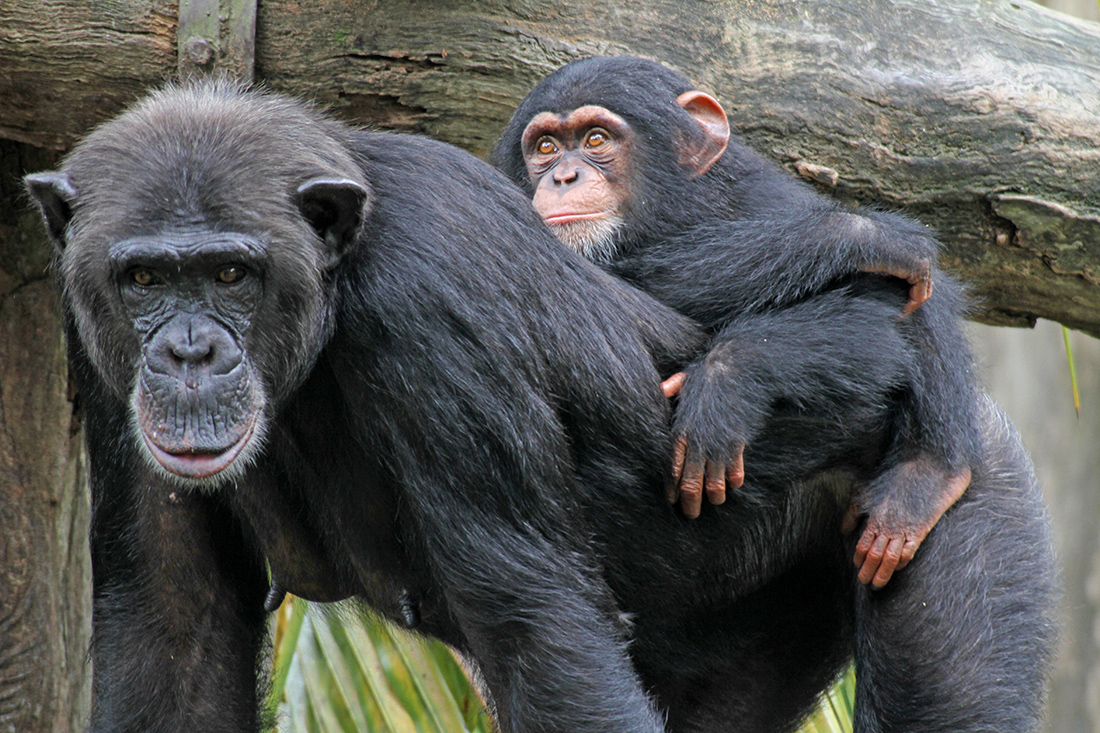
pixel 68 64
pixel 217 36
pixel 981 117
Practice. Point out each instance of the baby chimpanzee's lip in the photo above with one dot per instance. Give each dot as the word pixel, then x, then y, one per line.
pixel 568 217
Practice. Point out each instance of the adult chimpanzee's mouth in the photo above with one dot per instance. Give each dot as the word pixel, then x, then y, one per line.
pixel 198 464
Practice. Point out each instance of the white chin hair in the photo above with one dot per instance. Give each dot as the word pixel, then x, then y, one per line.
pixel 595 239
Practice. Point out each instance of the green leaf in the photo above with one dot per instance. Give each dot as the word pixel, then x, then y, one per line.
pixel 1072 372
pixel 834 714
pixel 288 627
pixel 355 673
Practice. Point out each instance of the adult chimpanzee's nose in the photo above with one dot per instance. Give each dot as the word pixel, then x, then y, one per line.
pixel 190 346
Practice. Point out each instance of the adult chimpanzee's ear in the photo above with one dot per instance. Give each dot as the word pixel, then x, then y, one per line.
pixel 699 155
pixel 54 193
pixel 335 208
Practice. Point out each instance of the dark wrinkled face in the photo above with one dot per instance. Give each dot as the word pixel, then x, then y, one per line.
pixel 204 331
pixel 192 298
pixel 196 248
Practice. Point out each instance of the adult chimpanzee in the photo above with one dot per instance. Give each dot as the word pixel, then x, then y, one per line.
pixel 634 168
pixel 362 359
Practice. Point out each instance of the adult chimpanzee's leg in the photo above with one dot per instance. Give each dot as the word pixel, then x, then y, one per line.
pixel 178 598
pixel 490 508
pixel 539 622
pixel 962 640
pixel 528 605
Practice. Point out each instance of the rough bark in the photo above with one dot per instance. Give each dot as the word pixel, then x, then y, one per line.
pixel 980 117
pixel 68 64
pixel 45 604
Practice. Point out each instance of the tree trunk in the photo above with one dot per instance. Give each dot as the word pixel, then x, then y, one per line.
pixel 45 595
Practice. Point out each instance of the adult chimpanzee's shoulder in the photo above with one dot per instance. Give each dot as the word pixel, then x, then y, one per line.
pixel 433 164
pixel 428 187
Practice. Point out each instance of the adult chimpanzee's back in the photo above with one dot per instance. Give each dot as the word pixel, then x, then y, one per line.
pixel 361 360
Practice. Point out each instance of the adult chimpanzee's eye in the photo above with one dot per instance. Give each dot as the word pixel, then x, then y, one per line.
pixel 143 277
pixel 596 138
pixel 230 274
pixel 546 146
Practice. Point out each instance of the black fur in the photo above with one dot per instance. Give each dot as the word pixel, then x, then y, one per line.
pixel 464 418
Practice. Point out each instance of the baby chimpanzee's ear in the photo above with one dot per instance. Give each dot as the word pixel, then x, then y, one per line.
pixel 700 154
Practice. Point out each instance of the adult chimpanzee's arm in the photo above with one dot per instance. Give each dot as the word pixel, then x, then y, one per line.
pixel 490 497
pixel 178 621
pixel 723 268
pixel 838 355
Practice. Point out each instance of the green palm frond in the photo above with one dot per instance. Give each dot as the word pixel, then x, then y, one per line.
pixel 1072 373
pixel 834 715
pixel 339 671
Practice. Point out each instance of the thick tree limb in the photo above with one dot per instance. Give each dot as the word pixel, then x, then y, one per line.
pixel 981 117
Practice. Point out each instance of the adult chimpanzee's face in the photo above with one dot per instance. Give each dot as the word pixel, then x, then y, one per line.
pixel 199 327
pixel 197 261
pixel 192 297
